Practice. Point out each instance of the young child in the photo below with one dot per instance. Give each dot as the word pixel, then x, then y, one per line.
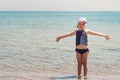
pixel 81 44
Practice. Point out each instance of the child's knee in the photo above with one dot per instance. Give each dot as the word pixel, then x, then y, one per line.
pixel 80 63
pixel 84 63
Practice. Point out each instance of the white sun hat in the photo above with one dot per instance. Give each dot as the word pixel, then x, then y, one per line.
pixel 82 20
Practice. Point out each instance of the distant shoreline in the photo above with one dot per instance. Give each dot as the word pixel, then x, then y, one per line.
pixel 52 11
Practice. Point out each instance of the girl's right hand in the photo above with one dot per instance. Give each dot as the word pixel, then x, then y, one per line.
pixel 58 38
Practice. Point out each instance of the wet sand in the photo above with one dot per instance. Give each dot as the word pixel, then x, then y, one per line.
pixel 51 76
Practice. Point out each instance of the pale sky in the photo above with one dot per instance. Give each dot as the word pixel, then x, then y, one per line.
pixel 60 5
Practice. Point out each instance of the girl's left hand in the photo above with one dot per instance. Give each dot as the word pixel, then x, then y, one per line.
pixel 107 37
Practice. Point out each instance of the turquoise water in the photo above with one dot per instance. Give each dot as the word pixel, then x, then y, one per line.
pixel 27 42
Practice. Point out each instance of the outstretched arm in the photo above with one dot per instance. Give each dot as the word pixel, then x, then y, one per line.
pixel 98 34
pixel 64 36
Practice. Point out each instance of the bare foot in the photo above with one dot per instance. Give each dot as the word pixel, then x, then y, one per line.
pixel 79 76
pixel 85 77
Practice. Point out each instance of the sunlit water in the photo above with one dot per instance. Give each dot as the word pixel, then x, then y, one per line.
pixel 27 43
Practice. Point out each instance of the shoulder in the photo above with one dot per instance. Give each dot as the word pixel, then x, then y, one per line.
pixel 86 30
pixel 75 30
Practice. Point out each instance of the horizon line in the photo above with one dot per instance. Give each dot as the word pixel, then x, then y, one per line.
pixel 65 10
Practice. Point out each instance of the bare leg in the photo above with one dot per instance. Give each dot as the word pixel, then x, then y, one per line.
pixel 79 60
pixel 85 56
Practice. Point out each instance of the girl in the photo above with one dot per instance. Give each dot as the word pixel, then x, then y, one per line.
pixel 81 44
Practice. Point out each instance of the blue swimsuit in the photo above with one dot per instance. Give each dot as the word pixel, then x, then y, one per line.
pixel 81 38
